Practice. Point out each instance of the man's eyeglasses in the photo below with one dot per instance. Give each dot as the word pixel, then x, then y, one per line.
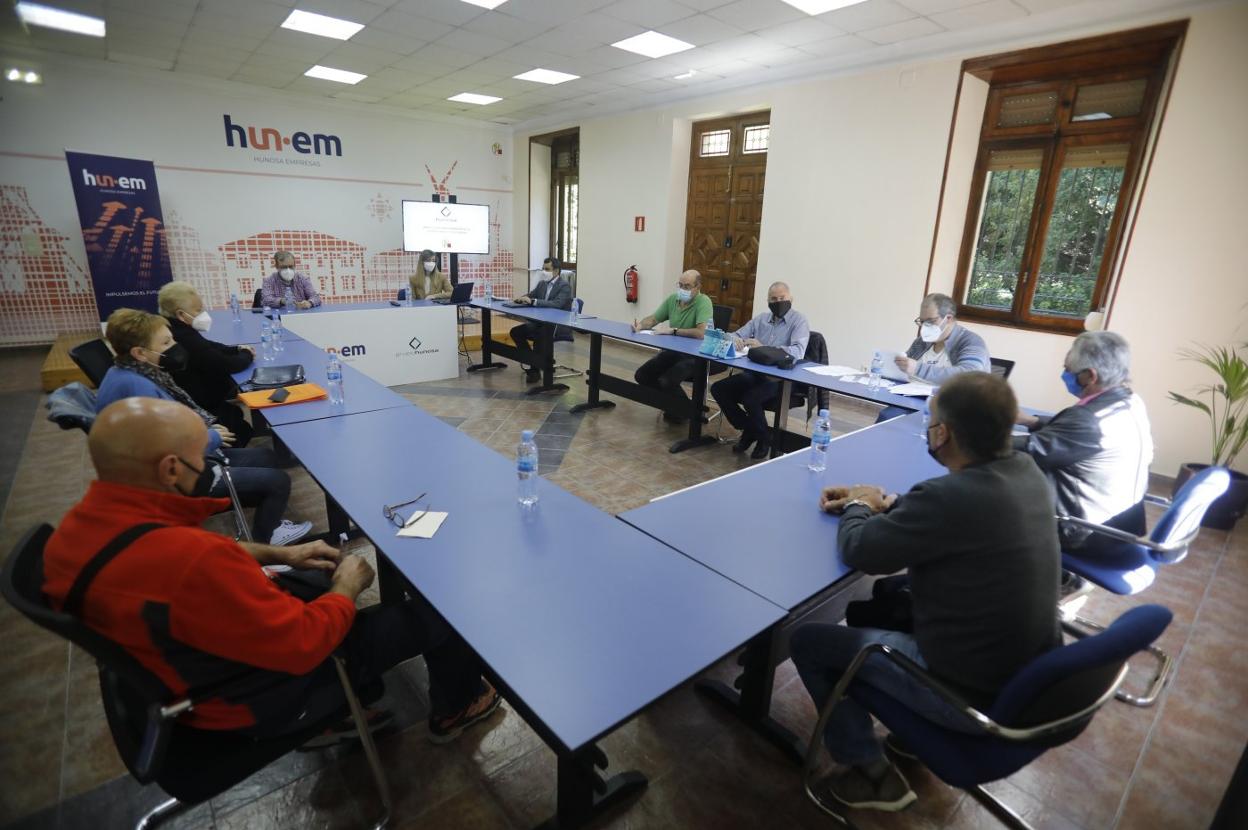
pixel 391 512
pixel 918 321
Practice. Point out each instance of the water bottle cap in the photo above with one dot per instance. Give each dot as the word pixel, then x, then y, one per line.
pixel 526 435
pixel 823 413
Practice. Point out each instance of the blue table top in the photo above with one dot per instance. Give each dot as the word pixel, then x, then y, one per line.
pixel 786 550
pixel 584 618
pixel 247 330
pixel 361 393
pixel 688 345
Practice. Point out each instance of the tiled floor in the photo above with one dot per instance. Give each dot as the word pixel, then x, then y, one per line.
pixel 1134 768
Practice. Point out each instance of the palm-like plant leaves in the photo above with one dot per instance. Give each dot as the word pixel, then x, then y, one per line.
pixel 1227 408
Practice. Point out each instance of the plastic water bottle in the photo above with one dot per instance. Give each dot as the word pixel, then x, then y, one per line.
pixel 268 312
pixel 288 300
pixel 820 438
pixel 266 341
pixel 278 343
pixel 333 379
pixel 526 468
pixel 489 291
pixel 236 311
pixel 572 309
pixel 877 372
pixel 410 296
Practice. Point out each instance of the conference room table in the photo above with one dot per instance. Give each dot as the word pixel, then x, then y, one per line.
pixel 360 393
pixel 244 332
pixel 599 381
pixel 578 637
pixel 787 550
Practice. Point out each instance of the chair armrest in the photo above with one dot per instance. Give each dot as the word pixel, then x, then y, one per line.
pixel 1159 500
pixel 1177 546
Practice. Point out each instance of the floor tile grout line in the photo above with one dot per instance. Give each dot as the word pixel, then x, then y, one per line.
pixel 1165 697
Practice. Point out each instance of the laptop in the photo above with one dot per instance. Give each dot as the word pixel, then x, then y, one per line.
pixel 461 294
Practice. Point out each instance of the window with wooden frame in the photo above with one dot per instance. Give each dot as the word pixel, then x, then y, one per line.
pixel 1060 149
pixel 565 162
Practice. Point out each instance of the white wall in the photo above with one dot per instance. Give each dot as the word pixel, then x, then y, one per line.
pixel 539 203
pixel 853 183
pixel 341 215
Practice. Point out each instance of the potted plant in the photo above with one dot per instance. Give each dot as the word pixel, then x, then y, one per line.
pixel 1227 410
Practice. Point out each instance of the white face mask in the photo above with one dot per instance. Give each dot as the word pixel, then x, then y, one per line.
pixel 684 294
pixel 546 275
pixel 930 332
pixel 287 274
pixel 202 322
pixel 428 267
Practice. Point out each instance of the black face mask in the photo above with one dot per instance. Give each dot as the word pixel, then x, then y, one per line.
pixel 203 482
pixel 174 358
pixel 779 309
pixel 927 439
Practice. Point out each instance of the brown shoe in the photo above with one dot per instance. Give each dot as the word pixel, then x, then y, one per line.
pixel 444 730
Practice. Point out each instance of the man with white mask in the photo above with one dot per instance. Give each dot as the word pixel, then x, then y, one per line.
pixel 285 278
pixel 943 348
pixel 209 364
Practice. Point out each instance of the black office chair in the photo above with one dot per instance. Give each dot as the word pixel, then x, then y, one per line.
pixel 191 765
pixel 94 358
pixel 256 300
pixel 1001 367
pixel 401 295
pixel 721 316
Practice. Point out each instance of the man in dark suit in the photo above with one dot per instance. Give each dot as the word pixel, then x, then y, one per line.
pixel 209 365
pixel 550 292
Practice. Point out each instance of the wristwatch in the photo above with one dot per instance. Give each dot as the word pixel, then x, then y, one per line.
pixel 852 502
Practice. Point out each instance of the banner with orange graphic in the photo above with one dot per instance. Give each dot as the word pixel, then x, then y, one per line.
pixel 123 229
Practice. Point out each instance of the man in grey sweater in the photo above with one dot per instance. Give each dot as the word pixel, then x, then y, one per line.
pixel 981 548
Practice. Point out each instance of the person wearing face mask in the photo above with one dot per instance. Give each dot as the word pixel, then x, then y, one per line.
pixel 284 276
pixel 551 291
pixel 1096 452
pixel 210 366
pixel 942 350
pixel 743 396
pixel 685 313
pixel 983 558
pixel 195 608
pixel 146 360
pixel 429 283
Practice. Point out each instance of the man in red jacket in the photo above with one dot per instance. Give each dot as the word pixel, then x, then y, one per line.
pixel 195 607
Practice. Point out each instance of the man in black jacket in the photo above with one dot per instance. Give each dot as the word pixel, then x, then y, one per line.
pixel 981 548
pixel 207 377
pixel 551 292
pixel 1096 453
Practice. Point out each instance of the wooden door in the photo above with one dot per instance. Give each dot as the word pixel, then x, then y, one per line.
pixel 725 208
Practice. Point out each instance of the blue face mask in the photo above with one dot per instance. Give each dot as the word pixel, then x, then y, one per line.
pixel 1071 379
pixel 684 295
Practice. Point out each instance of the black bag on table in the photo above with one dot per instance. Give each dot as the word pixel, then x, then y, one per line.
pixel 771 356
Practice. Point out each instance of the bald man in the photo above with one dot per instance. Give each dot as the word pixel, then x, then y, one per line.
pixel 195 607
pixel 683 314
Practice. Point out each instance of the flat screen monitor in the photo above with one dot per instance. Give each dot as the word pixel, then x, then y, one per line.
pixel 447 228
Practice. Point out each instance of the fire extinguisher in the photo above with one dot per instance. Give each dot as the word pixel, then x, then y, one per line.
pixel 631 282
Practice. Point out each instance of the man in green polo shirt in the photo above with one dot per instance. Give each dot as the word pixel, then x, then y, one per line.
pixel 683 314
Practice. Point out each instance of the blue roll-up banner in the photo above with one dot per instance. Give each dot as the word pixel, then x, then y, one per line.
pixel 123 229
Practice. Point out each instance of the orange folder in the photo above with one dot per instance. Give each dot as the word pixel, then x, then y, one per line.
pixel 299 393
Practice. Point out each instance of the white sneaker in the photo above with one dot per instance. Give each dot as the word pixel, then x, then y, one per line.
pixel 288 532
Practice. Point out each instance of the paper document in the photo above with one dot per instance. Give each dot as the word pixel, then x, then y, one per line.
pixel 423 527
pixel 646 331
pixel 914 390
pixel 888 361
pixel 831 371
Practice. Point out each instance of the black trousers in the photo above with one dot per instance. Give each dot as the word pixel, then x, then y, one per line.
pixel 742 397
pixel 525 337
pixel 381 637
pixel 260 485
pixel 666 371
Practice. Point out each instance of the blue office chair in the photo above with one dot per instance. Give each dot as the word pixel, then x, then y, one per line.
pixel 1049 702
pixel 1129 564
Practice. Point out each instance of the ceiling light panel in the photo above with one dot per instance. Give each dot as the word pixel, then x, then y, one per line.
pixel 35 14
pixel 652 44
pixel 327 73
pixel 320 24
pixel 821 6
pixel 545 76
pixel 473 98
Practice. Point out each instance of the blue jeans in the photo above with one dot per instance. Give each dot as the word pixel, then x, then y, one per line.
pixel 823 652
